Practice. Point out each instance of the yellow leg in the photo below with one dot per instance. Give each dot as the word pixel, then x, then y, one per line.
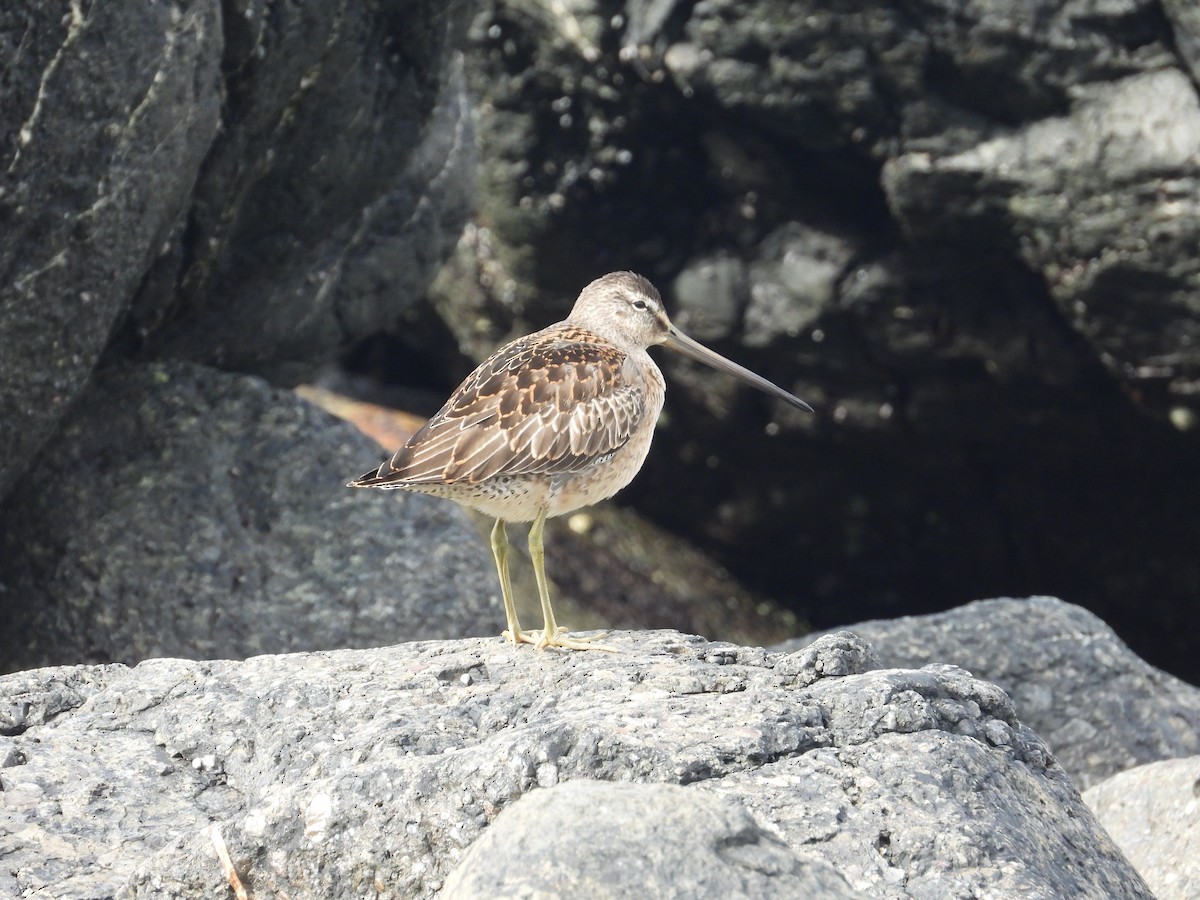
pixel 500 554
pixel 552 635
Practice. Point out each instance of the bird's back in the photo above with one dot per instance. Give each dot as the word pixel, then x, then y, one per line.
pixel 553 403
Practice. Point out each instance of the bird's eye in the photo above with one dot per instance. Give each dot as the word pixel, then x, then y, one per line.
pixel 640 304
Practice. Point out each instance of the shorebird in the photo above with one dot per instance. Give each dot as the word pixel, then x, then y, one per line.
pixel 552 422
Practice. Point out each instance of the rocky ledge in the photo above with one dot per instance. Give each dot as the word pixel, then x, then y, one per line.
pixel 677 766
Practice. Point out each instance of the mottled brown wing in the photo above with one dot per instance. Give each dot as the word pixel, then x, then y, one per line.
pixel 552 402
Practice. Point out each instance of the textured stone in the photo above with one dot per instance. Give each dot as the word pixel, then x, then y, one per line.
pixel 106 114
pixel 248 185
pixel 188 512
pixel 342 773
pixel 1120 270
pixel 1153 815
pixel 597 839
pixel 340 180
pixel 843 76
pixel 1099 707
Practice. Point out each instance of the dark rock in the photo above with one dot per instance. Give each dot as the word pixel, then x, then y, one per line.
pixel 339 182
pixel 795 275
pixel 610 568
pixel 843 77
pixel 1121 270
pixel 248 186
pixel 1150 811
pixel 796 278
pixel 941 227
pixel 1099 707
pixel 711 294
pixel 105 117
pixel 328 774
pixel 193 513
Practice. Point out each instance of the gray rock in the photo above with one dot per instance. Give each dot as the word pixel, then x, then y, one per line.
pixel 1184 17
pixel 105 117
pixel 1099 707
pixel 711 294
pixel 188 512
pixel 235 183
pixel 340 180
pixel 796 277
pixel 1153 815
pixel 993 281
pixel 335 774
pixel 843 77
pixel 1120 270
pixel 598 839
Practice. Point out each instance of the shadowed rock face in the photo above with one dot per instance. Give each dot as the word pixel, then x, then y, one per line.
pixel 105 119
pixel 967 234
pixel 244 186
pixel 240 186
pixel 325 772
pixel 187 512
pixel 326 205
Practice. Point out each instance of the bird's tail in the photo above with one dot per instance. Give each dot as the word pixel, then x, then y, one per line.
pixel 374 478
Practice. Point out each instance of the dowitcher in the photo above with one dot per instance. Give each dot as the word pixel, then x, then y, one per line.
pixel 552 422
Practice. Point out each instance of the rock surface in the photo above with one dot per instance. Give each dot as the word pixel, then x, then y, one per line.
pixel 1099 707
pixel 1153 815
pixel 338 183
pixel 188 512
pixel 1120 271
pixel 246 185
pixel 600 839
pixel 105 118
pixel 343 773
pixel 963 232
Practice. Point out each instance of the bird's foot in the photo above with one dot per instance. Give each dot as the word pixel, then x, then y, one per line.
pixel 517 636
pixel 559 639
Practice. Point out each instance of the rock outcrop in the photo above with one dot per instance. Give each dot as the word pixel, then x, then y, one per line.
pixel 189 512
pixel 1099 706
pixel 1151 813
pixel 347 773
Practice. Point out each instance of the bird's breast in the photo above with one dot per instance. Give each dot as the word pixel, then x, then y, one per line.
pixel 612 471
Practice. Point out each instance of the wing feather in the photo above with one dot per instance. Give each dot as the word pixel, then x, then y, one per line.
pixel 548 403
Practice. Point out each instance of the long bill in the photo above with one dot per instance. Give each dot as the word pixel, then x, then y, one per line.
pixel 677 340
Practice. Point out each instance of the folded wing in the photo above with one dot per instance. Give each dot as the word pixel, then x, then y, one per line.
pixel 551 403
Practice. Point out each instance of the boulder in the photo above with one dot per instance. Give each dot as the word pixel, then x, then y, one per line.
pixel 1069 190
pixel 334 774
pixel 105 118
pixel 339 182
pixel 606 839
pixel 249 186
pixel 1100 707
pixel 1151 813
pixel 188 512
